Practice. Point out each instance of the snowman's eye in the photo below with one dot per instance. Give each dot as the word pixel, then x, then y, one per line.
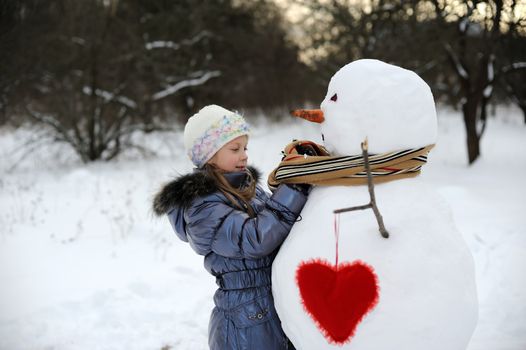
pixel 334 97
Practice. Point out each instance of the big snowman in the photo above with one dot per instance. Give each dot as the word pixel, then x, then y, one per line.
pixel 337 283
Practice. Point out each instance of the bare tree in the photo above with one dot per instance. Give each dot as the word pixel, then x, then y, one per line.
pixel 95 77
pixel 474 53
pixel 513 78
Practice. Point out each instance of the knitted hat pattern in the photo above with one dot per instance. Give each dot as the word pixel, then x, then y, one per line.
pixel 209 130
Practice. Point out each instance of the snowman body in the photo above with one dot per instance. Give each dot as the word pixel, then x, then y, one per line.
pixel 424 271
pixel 427 293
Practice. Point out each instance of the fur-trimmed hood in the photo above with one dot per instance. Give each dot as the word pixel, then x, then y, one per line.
pixel 185 188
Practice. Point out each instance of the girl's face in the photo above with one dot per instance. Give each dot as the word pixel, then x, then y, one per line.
pixel 232 156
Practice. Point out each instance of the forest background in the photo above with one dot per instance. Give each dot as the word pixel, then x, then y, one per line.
pixel 94 72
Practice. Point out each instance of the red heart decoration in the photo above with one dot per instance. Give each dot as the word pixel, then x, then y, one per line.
pixel 337 297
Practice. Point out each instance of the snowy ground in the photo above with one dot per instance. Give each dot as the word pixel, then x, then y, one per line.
pixel 84 265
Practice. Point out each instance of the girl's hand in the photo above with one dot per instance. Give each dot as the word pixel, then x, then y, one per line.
pixel 303 188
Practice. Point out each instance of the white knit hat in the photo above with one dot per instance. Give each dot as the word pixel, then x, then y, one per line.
pixel 210 129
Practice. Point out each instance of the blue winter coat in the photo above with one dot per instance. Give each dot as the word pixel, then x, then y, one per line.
pixel 238 252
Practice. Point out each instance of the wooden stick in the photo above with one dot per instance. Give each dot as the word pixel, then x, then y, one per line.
pixel 358 207
pixel 372 203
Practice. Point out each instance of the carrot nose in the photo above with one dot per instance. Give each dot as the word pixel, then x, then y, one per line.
pixel 312 115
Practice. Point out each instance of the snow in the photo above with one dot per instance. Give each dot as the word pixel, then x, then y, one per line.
pixel 491 75
pixel 162 44
pixel 491 69
pixel 487 91
pixel 84 265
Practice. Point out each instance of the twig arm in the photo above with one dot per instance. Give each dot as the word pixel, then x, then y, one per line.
pixel 372 204
pixel 358 207
pixel 379 218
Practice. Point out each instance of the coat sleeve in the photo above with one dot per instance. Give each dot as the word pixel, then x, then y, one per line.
pixel 214 226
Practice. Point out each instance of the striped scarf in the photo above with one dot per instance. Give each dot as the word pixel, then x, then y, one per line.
pixel 325 170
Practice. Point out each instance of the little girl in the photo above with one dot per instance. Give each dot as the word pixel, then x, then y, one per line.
pixel 226 217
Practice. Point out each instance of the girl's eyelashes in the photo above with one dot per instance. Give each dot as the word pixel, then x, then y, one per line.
pixel 237 149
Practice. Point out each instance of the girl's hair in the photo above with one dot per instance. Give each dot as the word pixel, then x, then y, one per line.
pixel 239 197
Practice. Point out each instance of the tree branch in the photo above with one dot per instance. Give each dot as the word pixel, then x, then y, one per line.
pixel 160 44
pixel 172 89
pixel 513 67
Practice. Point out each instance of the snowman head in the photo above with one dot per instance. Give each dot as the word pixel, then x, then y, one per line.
pixel 390 106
